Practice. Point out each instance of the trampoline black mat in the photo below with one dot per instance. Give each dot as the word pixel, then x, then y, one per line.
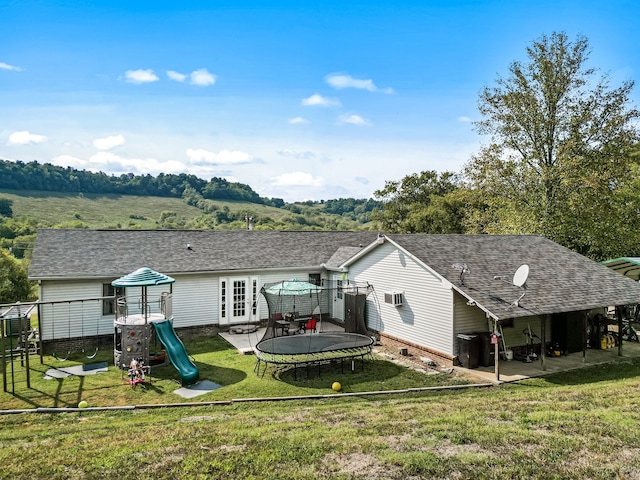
pixel 313 343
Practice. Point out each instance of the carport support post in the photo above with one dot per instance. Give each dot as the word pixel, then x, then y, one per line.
pixel 497 350
pixel 543 341
pixel 585 326
pixel 619 313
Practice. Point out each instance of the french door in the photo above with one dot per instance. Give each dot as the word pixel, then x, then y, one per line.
pixel 238 300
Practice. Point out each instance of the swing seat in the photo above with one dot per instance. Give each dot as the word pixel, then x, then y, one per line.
pixel 54 355
pixel 93 355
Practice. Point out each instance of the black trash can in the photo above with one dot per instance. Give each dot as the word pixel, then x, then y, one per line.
pixel 468 349
pixel 487 356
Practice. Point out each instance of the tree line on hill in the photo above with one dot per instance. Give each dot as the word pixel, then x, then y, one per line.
pixel 52 178
pixel 195 191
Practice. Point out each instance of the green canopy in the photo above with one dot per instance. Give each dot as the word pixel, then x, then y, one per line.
pixel 142 277
pixel 627 266
pixel 293 287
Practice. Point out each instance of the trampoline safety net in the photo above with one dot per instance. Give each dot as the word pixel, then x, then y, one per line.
pixel 293 299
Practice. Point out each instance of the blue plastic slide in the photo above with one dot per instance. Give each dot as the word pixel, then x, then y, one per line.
pixel 177 353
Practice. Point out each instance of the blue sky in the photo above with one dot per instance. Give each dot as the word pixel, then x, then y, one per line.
pixel 300 100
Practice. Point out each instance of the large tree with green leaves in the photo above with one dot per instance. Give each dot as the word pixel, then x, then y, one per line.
pixel 14 282
pixel 421 203
pixel 560 150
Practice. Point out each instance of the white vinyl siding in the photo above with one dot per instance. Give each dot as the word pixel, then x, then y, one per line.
pixel 425 318
pixel 468 318
pixel 195 300
pixel 517 336
pixel 73 319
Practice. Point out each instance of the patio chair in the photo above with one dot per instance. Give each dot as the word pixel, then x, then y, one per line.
pixel 311 325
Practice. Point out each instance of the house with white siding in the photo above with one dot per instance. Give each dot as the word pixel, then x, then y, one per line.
pixel 420 295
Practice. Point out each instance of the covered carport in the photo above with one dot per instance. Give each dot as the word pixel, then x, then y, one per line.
pixel 511 371
pixel 562 297
pixel 627 266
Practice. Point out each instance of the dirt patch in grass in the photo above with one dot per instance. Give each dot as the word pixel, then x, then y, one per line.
pixel 359 464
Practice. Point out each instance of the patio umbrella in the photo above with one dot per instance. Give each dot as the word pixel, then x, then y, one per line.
pixel 293 287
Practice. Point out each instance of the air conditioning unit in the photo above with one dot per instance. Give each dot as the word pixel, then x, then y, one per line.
pixel 394 298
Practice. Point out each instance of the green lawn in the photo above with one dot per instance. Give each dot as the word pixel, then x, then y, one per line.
pixel 112 210
pixel 49 209
pixel 581 424
pixel 218 362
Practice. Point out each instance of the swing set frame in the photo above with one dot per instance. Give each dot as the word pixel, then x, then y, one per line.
pixel 41 337
pixel 54 317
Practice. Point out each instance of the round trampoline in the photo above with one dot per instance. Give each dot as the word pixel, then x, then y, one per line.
pixel 306 350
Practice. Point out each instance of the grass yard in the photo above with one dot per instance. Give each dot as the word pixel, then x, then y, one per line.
pixel 581 424
pixel 577 425
pixel 218 362
pixel 145 212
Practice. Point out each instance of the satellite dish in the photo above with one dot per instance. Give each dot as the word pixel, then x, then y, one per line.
pixel 521 275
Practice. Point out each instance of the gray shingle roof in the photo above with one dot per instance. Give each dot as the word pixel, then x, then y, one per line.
pixel 342 255
pixel 560 280
pixel 78 253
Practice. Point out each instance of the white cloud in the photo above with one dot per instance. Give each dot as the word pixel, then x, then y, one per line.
pixel 298 121
pixel 464 119
pixel 25 138
pixel 177 76
pixel 224 157
pixel 108 143
pixel 69 161
pixel 140 76
pixel 297 179
pixel 202 78
pixel 115 164
pixel 6 66
pixel 317 100
pixel 347 81
pixel 108 161
pixel 353 119
pixel 297 155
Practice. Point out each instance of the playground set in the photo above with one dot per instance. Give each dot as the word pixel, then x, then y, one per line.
pixel 142 311
pixel 137 318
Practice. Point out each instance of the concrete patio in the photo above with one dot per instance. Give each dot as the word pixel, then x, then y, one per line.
pixel 514 370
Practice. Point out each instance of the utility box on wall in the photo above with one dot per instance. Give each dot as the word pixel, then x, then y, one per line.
pixel 354 313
